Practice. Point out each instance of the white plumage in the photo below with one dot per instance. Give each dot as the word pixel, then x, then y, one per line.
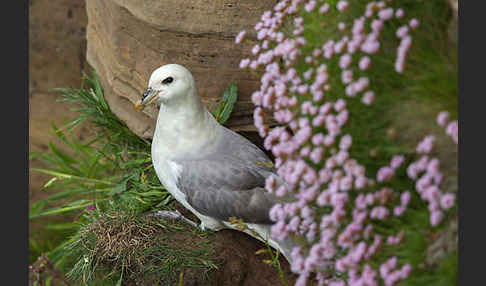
pixel 211 170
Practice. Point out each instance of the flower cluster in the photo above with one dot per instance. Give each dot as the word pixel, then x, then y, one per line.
pixel 451 127
pixel 335 204
pixel 427 184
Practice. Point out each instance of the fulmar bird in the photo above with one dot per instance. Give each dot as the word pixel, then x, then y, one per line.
pixel 209 169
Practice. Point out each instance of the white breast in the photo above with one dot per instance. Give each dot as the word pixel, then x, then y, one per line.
pixel 169 173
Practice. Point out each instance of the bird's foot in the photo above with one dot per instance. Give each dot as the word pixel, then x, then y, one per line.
pixel 173 215
pixel 210 224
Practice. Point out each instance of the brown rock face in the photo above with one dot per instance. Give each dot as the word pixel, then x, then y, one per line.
pixel 128 39
pixel 57 52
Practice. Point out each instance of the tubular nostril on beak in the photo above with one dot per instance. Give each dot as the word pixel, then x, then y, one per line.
pixel 146 93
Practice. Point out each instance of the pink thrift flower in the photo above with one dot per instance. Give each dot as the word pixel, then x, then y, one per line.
pixel 397 161
pixel 425 146
pixel 345 142
pixel 362 83
pixel 447 200
pixel 398 210
pixel 340 105
pixel 316 155
pixel 376 25
pixel 344 61
pixel 279 230
pixel 422 163
pixel 379 212
pixel 360 182
pixel 255 49
pixel 368 97
pixel 294 224
pixel 258 116
pixel 331 163
pixel 386 14
pixel 384 174
pixel 262 34
pixel 342 5
pixel 414 23
pixel 370 47
pixel 402 31
pixel 324 199
pixel 353 46
pixel 443 118
pixel 351 89
pixel 308 73
pixel 341 26
pixel 256 98
pixel 262 131
pixel 328 140
pixel 346 183
pixel 399 13
pixel 341 157
pixel 358 26
pixel 405 198
pixel 324 110
pixel 436 217
pixel 318 95
pixel 244 63
pixel 302 89
pixel 337 283
pixel 310 6
pixel 346 76
pixel 318 120
pixel 433 166
pixel 240 37
pixel 452 130
pixel 324 8
pixel 281 191
pixel 395 239
pixel 364 63
pixel 322 77
pixel 342 117
pixel 386 267
pixel 317 139
pixel 270 183
pixel 405 271
pixel 305 151
pixel 339 46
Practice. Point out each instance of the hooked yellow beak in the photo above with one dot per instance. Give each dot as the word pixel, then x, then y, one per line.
pixel 148 97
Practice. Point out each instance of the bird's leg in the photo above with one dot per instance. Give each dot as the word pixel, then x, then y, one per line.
pixel 173 215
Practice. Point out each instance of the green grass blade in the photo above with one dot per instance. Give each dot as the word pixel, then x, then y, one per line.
pixel 58 210
pixel 70 177
pixel 229 99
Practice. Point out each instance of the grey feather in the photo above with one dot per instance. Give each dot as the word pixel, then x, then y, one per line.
pixel 228 180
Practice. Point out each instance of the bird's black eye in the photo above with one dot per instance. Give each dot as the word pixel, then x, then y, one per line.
pixel 168 80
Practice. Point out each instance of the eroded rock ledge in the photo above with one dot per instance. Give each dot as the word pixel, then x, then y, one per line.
pixel 128 39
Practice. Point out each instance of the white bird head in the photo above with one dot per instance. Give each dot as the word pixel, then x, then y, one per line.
pixel 168 84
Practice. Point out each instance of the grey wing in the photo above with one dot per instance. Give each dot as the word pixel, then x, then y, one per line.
pixel 229 182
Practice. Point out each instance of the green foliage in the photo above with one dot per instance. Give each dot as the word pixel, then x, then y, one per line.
pixel 393 125
pixel 111 173
pixel 126 246
pixel 404 110
pixel 225 107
